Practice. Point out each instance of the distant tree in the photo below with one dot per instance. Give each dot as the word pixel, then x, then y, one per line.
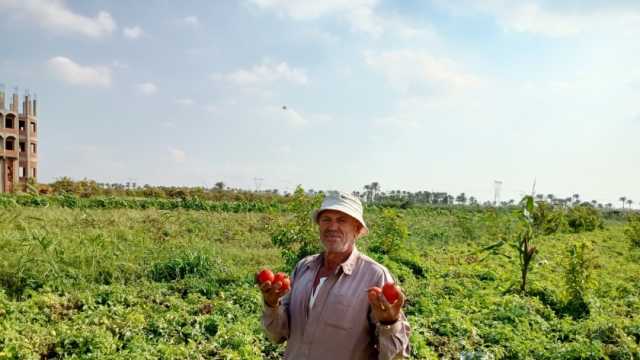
pixel 461 199
pixel 623 199
pixel 219 185
pixel 629 202
pixel 449 199
pixel 473 200
pixel 576 198
pixel 608 205
pixel 550 197
pixel 540 197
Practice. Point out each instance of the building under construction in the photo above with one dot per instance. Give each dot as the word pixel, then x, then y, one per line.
pixel 18 142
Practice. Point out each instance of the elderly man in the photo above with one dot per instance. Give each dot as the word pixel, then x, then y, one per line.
pixel 332 311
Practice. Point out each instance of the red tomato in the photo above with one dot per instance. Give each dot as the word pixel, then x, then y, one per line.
pixel 391 292
pixel 286 284
pixel 279 277
pixel 265 275
pixel 283 279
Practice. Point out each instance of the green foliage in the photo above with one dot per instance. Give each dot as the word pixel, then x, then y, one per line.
pixel 579 278
pixel 584 218
pixel 389 233
pixel 129 278
pixel 526 251
pixel 188 264
pixel 549 219
pixel 297 237
pixel 632 230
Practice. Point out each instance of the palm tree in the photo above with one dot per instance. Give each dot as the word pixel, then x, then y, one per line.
pixel 629 202
pixel 461 199
pixel 623 199
pixel 375 188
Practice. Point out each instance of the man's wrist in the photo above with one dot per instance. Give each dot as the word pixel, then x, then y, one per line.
pixel 388 323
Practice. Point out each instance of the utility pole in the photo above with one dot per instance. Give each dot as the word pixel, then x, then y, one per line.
pixel 258 183
pixel 497 186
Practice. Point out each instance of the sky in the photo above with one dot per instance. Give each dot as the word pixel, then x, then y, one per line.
pixel 429 95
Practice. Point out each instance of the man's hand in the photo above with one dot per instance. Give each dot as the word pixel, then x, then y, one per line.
pixel 271 293
pixel 384 312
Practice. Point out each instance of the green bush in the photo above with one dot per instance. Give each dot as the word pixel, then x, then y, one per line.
pixel 579 278
pixel 389 233
pixel 297 237
pixel 584 218
pixel 632 230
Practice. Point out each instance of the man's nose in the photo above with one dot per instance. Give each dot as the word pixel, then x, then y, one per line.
pixel 333 225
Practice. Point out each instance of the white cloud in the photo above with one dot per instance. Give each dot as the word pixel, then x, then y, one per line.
pixel 147 88
pixel 185 102
pixel 410 70
pixel 191 21
pixel 177 155
pixel 132 32
pixel 359 13
pixel 55 15
pixel 72 73
pixel 266 72
pixel 552 19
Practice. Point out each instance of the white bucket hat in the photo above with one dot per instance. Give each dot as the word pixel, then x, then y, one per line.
pixel 345 203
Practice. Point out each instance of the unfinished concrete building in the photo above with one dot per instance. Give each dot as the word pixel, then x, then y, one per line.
pixel 18 143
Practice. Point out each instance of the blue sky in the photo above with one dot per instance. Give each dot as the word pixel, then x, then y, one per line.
pixel 417 95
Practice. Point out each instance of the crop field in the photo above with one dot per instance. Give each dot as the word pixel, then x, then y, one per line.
pixel 114 279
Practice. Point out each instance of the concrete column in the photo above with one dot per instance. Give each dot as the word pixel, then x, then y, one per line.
pixel 14 103
pixel 2 180
pixel 1 99
pixel 16 174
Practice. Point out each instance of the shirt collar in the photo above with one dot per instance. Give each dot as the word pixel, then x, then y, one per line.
pixel 347 266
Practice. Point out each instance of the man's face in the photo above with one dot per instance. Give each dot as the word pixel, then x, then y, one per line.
pixel 338 231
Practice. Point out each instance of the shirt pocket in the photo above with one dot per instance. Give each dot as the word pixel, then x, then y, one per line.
pixel 338 313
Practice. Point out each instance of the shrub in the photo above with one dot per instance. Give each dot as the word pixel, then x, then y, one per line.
pixel 584 218
pixel 578 278
pixel 390 233
pixel 549 219
pixel 297 237
pixel 632 230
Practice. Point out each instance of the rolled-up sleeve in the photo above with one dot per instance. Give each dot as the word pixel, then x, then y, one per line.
pixel 276 321
pixel 393 340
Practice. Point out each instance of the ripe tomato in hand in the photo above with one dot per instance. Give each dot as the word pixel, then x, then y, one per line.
pixel 286 284
pixel 265 275
pixel 391 292
pixel 283 279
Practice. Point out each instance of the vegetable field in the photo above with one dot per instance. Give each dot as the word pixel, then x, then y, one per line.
pixel 116 278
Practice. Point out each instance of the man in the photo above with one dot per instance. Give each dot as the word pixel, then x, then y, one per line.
pixel 332 311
